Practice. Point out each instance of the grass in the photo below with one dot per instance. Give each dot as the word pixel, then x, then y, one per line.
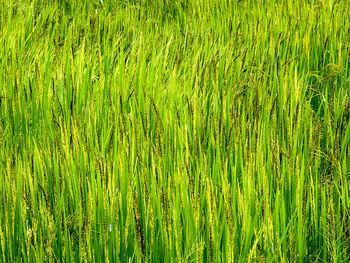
pixel 174 131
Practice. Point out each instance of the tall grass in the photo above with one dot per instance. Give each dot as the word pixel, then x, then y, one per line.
pixel 174 131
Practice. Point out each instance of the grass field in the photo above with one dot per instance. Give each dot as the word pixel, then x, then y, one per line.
pixel 174 131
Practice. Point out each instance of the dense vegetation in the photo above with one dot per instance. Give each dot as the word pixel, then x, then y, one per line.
pixel 174 131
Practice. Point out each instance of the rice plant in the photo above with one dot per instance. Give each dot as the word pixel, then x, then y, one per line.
pixel 174 131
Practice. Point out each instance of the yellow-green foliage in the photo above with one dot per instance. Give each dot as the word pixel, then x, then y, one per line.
pixel 174 130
